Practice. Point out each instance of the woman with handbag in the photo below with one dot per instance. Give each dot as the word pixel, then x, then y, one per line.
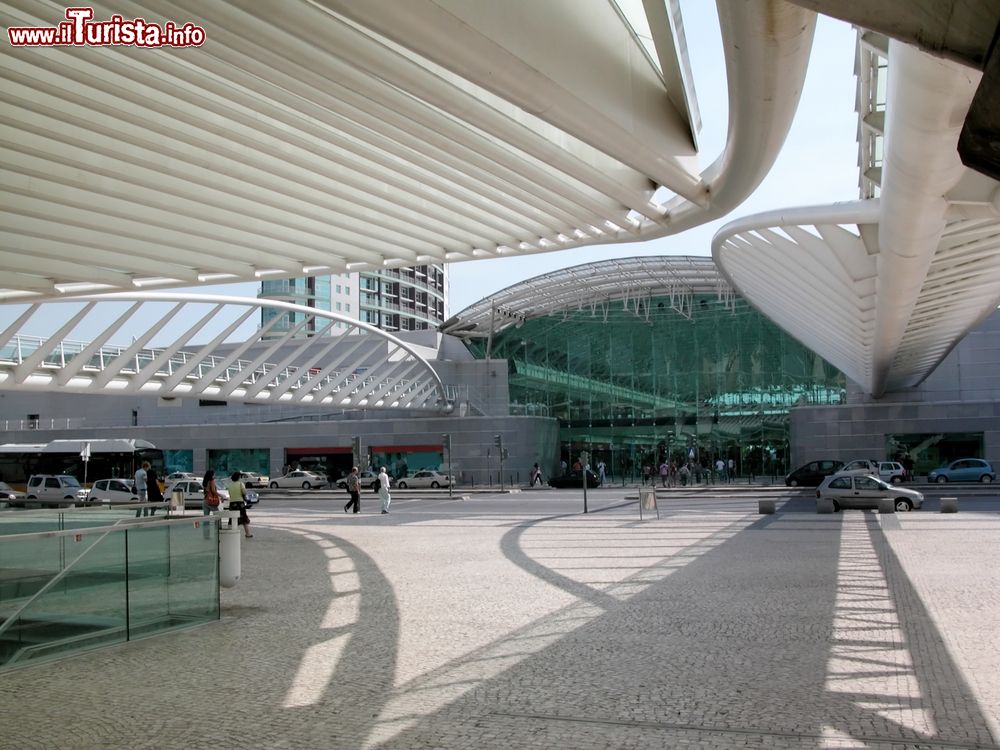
pixel 211 499
pixel 238 501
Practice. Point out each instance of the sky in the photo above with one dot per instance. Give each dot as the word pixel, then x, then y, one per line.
pixel 818 164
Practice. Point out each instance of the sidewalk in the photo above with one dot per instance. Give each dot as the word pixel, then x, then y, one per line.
pixel 487 624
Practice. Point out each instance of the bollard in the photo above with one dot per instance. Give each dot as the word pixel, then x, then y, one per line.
pixel 176 502
pixel 949 505
pixel 886 505
pixel 824 505
pixel 765 506
pixel 229 555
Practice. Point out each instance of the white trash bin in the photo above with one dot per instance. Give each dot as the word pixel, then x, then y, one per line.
pixel 229 555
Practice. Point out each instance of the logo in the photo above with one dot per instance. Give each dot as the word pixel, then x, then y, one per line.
pixel 80 30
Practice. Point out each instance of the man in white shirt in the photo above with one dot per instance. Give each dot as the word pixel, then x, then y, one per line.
pixel 383 490
pixel 140 487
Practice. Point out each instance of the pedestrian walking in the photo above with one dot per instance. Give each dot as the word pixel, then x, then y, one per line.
pixel 238 502
pixel 664 473
pixel 153 493
pixel 142 488
pixel 354 490
pixel 536 475
pixel 383 490
pixel 211 499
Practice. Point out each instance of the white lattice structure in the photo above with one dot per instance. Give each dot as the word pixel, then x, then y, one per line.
pixel 885 287
pixel 370 370
pixel 318 136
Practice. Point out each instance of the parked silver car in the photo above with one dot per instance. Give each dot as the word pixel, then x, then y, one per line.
pixel 7 493
pixel 307 480
pixel 865 492
pixel 56 487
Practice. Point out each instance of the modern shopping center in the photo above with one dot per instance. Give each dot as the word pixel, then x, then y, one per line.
pixel 628 361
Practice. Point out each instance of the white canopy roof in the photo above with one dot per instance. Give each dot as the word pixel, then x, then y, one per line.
pixel 885 287
pixel 313 136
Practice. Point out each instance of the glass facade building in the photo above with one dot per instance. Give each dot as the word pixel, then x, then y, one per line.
pixel 677 367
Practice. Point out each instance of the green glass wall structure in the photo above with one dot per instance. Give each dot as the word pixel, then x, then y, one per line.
pixel 635 382
pixel 227 460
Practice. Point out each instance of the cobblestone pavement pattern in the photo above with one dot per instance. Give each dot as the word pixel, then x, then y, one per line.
pixel 510 622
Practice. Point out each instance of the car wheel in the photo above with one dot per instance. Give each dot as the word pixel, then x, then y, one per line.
pixel 902 506
pixel 274 485
pixel 793 483
pixel 836 507
pixel 306 486
pixel 435 485
pixel 32 497
pixel 985 479
pixel 402 485
pixel 896 480
pixel 942 479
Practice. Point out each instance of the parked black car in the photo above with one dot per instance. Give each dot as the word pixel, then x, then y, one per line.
pixel 575 479
pixel 812 474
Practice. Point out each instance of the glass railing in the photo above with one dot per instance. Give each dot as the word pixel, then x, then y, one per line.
pixel 35 520
pixel 80 588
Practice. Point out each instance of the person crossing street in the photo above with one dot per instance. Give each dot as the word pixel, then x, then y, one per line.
pixel 383 490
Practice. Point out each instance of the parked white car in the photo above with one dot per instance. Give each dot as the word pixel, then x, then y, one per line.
pixel 112 491
pixel 179 475
pixel 253 479
pixel 366 479
pixel 859 491
pixel 193 491
pixel 298 479
pixel 425 478
pixel 888 471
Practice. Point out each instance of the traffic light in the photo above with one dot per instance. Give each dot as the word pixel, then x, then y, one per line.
pixel 356 450
pixel 446 441
pixel 498 441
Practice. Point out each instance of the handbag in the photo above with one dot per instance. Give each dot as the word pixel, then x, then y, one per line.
pixel 212 497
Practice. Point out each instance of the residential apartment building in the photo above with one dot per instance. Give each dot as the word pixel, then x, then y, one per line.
pixel 398 299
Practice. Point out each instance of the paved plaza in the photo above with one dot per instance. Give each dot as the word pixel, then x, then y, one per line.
pixel 515 621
